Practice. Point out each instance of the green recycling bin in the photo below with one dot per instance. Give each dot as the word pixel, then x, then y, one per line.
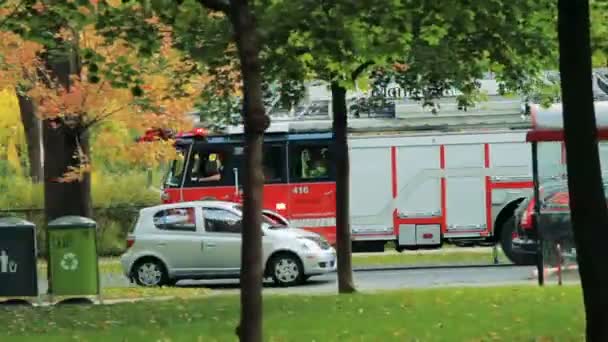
pixel 72 248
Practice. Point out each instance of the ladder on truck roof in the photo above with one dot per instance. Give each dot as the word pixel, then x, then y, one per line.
pixel 443 123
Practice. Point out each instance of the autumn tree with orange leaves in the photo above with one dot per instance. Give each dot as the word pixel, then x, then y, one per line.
pixel 75 80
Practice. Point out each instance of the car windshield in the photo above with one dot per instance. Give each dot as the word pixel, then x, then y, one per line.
pixel 272 222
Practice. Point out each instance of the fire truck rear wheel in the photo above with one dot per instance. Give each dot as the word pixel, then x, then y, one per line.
pixel 506 243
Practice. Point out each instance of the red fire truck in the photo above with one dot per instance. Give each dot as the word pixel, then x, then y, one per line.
pixel 418 181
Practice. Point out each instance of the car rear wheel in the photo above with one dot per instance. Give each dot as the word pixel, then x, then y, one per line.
pixel 151 273
pixel 507 235
pixel 287 270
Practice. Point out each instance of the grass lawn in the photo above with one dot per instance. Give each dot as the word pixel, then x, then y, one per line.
pixel 524 313
pixel 440 257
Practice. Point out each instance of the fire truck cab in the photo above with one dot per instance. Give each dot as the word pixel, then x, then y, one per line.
pixel 417 181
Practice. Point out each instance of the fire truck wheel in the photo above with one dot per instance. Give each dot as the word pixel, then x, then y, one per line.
pixel 287 269
pixel 506 242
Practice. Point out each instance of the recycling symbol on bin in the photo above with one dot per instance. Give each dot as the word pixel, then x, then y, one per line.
pixel 69 262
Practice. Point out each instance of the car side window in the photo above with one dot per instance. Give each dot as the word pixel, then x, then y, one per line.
pixel 221 221
pixel 176 219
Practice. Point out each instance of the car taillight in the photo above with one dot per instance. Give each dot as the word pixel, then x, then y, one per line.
pixel 130 241
pixel 526 219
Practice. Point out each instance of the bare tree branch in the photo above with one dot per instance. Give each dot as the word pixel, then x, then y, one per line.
pixel 216 5
pixel 102 117
pixel 360 69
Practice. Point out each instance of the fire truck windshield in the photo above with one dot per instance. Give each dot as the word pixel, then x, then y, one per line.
pixel 176 171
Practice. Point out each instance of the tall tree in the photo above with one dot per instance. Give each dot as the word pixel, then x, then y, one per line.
pixel 75 69
pixel 33 132
pixel 587 199
pixel 208 30
pixel 255 122
pixel 241 16
pixel 428 46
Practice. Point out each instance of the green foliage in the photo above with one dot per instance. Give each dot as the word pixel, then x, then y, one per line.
pixel 18 192
pixel 108 190
pixel 441 45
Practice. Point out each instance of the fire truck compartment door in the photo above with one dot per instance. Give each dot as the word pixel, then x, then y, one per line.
pixel 421 234
pixel 465 187
pixel 428 234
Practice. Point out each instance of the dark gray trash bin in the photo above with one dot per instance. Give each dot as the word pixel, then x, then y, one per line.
pixel 18 266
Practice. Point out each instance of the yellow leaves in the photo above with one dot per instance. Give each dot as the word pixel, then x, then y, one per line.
pixel 11 130
pixel 150 154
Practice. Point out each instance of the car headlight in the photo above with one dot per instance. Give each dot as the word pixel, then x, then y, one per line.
pixel 308 244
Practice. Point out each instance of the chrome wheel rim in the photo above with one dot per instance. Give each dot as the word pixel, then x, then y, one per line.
pixel 149 274
pixel 286 270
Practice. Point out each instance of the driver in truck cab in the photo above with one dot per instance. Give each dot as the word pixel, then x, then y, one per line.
pixel 207 168
pixel 315 166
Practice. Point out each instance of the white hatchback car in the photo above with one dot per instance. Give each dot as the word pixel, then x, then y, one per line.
pixel 202 240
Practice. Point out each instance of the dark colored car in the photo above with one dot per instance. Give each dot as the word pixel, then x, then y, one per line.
pixel 554 221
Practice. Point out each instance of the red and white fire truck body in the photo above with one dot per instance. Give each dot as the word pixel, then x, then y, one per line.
pixel 416 184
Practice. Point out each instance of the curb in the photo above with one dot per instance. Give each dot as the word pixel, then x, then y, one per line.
pixel 427 267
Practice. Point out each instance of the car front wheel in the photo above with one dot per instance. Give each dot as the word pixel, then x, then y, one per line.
pixel 151 273
pixel 287 270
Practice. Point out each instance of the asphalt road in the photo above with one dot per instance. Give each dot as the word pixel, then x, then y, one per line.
pixel 373 280
pixel 395 279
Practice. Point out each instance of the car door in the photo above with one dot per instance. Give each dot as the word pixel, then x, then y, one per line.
pixel 221 241
pixel 176 239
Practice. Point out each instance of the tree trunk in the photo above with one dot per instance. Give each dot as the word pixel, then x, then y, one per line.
pixel 61 146
pixel 587 199
pixel 61 149
pixel 345 270
pixel 32 127
pixel 256 122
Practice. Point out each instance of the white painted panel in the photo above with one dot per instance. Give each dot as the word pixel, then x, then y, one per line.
pixel 510 154
pixel 433 229
pixel 603 148
pixel 436 138
pixel 603 152
pixel 418 187
pixel 549 160
pixel 465 202
pixel 370 180
pixel 407 235
pixel 460 156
